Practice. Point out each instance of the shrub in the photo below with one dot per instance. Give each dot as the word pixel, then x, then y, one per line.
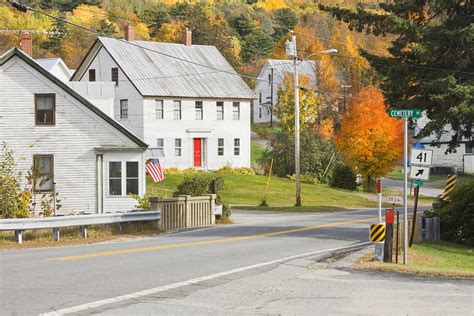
pixel 343 177
pixel 14 200
pixel 316 154
pixel 229 170
pixel 200 184
pixel 143 202
pixel 171 170
pixel 457 215
pixel 190 170
pixel 226 211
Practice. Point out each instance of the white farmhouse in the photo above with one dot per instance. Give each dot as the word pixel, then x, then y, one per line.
pixel 273 74
pixel 185 100
pixel 76 150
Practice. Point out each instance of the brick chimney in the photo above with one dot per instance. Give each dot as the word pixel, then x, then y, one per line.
pixel 187 37
pixel 26 43
pixel 129 33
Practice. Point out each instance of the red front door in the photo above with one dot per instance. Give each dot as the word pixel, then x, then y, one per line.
pixel 197 152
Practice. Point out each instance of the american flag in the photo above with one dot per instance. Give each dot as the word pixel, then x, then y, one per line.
pixel 153 168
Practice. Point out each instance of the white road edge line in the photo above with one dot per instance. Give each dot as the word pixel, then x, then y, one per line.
pixel 163 288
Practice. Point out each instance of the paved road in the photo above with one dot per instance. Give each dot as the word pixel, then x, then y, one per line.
pixel 425 190
pixel 112 276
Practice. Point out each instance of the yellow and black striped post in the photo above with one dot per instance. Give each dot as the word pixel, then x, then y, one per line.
pixel 450 184
pixel 377 232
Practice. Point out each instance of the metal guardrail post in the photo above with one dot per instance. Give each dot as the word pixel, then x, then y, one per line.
pixel 56 234
pixel 84 232
pixel 19 236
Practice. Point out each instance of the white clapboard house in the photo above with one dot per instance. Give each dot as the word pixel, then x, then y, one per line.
pixel 459 161
pixel 184 100
pixel 90 160
pixel 273 74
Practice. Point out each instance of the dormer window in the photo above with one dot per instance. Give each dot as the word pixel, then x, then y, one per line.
pixel 45 109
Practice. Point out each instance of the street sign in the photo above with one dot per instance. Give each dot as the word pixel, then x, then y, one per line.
pixel 405 113
pixel 395 200
pixel 419 173
pixel 421 157
pixel 377 232
pixel 418 183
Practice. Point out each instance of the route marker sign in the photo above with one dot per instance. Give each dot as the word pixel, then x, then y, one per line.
pixel 421 157
pixel 377 232
pixel 420 173
pixel 405 113
pixel 395 200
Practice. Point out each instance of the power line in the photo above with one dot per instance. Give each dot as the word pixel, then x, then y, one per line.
pixel 24 8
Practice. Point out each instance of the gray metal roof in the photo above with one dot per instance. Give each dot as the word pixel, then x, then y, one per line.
pixel 155 74
pixel 284 67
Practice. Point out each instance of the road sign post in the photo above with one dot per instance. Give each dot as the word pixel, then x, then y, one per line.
pixel 405 189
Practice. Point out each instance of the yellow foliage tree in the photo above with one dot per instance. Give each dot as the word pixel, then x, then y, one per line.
pixel 326 128
pixel 369 140
pixel 285 107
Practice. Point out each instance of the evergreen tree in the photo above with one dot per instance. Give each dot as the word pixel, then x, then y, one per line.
pixel 431 63
pixel 286 20
pixel 59 32
pixel 257 45
pixel 106 28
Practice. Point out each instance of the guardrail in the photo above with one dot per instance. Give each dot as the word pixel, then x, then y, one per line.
pixel 19 225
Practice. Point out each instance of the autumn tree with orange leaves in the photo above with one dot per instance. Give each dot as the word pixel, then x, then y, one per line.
pixel 369 140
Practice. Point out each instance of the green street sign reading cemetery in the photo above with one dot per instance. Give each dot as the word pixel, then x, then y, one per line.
pixel 408 113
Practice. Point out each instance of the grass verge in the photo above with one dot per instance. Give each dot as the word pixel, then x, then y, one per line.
pixel 71 236
pixel 431 259
pixel 249 190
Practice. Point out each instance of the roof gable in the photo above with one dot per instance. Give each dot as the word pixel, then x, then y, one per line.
pixel 285 67
pixel 14 52
pixel 174 70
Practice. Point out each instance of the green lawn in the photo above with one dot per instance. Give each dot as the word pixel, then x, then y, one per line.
pixel 250 190
pixel 430 258
pixel 256 152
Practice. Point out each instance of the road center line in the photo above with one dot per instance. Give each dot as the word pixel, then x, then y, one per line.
pixel 206 242
pixel 163 288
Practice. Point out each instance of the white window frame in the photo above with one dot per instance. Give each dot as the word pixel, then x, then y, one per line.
pixel 236 146
pixel 159 109
pixel 199 108
pixel 177 110
pixel 123 109
pixel 178 147
pixel 123 177
pixel 220 110
pixel 236 113
pixel 220 147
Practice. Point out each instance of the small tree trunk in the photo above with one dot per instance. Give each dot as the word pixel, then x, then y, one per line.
pixel 368 182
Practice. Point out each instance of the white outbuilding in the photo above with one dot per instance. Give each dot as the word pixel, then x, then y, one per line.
pixel 92 162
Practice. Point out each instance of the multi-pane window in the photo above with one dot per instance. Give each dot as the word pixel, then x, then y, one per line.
pixel 236 146
pixel 45 109
pixel 115 178
pixel 220 110
pixel 124 109
pixel 177 147
pixel 236 110
pixel 160 145
pixel 199 114
pixel 91 75
pixel 260 112
pixel 159 113
pixel 469 146
pixel 220 147
pixel 132 177
pixel 115 75
pixel 177 110
pixel 43 173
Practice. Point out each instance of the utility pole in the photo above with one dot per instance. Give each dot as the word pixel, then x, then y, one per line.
pixel 271 98
pixel 290 48
pixel 344 87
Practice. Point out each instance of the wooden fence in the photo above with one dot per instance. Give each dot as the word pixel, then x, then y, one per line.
pixel 185 211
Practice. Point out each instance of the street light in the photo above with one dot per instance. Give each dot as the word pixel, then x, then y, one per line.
pixel 290 48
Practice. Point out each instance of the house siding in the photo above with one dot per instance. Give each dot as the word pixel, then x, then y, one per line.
pixel 72 140
pixel 209 128
pixel 103 63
